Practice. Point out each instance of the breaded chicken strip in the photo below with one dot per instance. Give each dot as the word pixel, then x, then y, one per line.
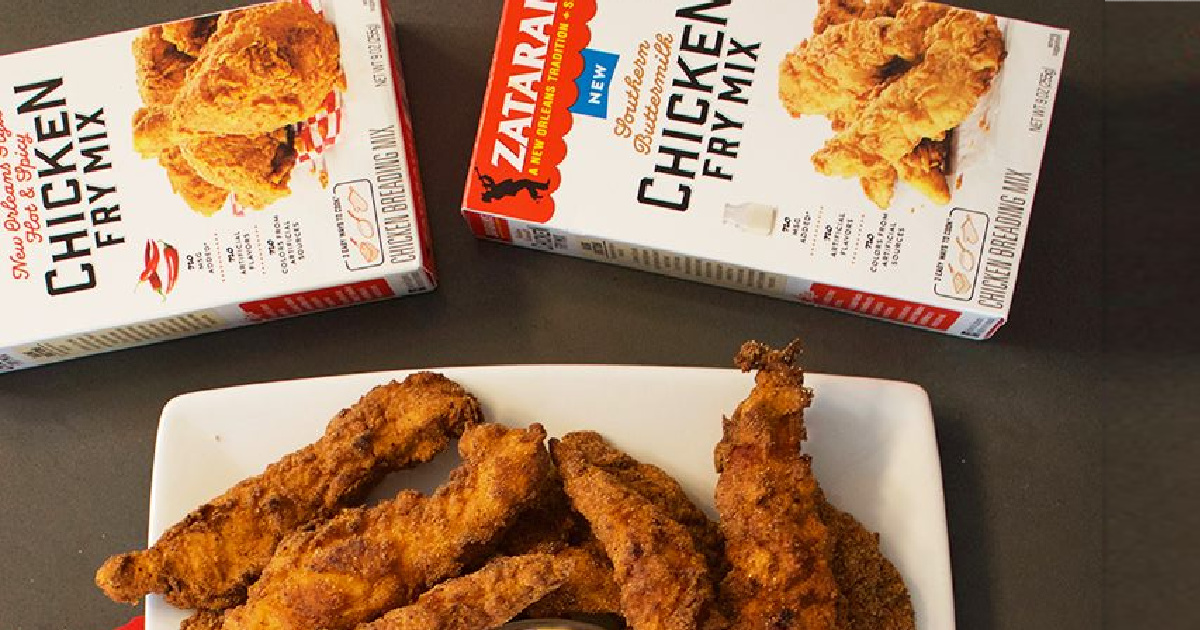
pixel 549 526
pixel 203 620
pixel 663 578
pixel 481 600
pixel 656 486
pixel 879 186
pixel 208 559
pixel 935 95
pixel 588 589
pixel 926 168
pixel 161 68
pixel 873 594
pixel 201 196
pixel 779 551
pixel 831 12
pixel 842 66
pixel 269 67
pixel 364 562
pixel 553 527
pixel 255 168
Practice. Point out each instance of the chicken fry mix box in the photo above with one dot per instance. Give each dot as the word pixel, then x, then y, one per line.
pixel 878 157
pixel 204 174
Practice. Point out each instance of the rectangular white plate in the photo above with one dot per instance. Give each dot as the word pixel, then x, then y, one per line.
pixel 872 443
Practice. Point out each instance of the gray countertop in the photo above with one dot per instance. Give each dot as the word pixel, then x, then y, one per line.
pixel 1034 490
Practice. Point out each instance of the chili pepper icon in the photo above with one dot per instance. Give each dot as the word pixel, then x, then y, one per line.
pixel 150 262
pixel 171 255
pixel 158 252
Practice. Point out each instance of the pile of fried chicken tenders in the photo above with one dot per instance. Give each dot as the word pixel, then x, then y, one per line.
pixel 222 94
pixel 894 77
pixel 525 528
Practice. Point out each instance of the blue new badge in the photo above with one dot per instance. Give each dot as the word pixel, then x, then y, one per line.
pixel 598 69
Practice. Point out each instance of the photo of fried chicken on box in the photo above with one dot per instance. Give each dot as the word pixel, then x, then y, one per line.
pixel 895 78
pixel 233 101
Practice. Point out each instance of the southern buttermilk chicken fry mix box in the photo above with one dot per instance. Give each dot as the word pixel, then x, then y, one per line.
pixel 204 174
pixel 878 157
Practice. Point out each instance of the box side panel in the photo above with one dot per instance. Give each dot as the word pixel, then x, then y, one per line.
pixel 410 147
pixel 117 338
pixel 727 275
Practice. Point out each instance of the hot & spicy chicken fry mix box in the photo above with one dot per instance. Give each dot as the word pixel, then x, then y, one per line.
pixel 203 174
pixel 875 156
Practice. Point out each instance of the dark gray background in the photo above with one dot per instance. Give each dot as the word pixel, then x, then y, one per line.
pixel 1068 443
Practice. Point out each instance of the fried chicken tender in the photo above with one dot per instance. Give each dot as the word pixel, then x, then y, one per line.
pixel 926 168
pixel 840 70
pixel 935 95
pixel 208 559
pixel 553 527
pixel 366 561
pixel 843 65
pixel 481 600
pixel 656 486
pixel 201 196
pixel 256 168
pixel 873 594
pixel 203 620
pixel 268 67
pixel 588 589
pixel 832 12
pixel 548 526
pixel 879 186
pixel 161 68
pixel 190 36
pixel 779 550
pixel 663 578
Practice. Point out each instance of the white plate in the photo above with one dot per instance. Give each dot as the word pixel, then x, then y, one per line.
pixel 872 443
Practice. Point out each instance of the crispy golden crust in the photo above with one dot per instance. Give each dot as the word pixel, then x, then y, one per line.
pixel 831 12
pixel 161 68
pixel 893 77
pixel 831 71
pixel 873 594
pixel 926 168
pixel 201 196
pixel 656 486
pixel 202 620
pixel 963 55
pixel 189 36
pixel 366 561
pixel 152 131
pixel 552 526
pixel 208 559
pixel 879 186
pixel 549 526
pixel 268 67
pixel 778 549
pixel 255 168
pixel 588 589
pixel 663 579
pixel 481 600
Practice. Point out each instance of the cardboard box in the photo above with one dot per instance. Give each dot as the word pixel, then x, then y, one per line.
pixel 879 158
pixel 210 173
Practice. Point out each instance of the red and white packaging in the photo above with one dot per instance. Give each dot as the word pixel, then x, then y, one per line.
pixel 877 156
pixel 106 244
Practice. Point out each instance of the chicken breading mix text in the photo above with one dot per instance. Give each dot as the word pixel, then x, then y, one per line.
pixel 825 151
pixel 203 174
